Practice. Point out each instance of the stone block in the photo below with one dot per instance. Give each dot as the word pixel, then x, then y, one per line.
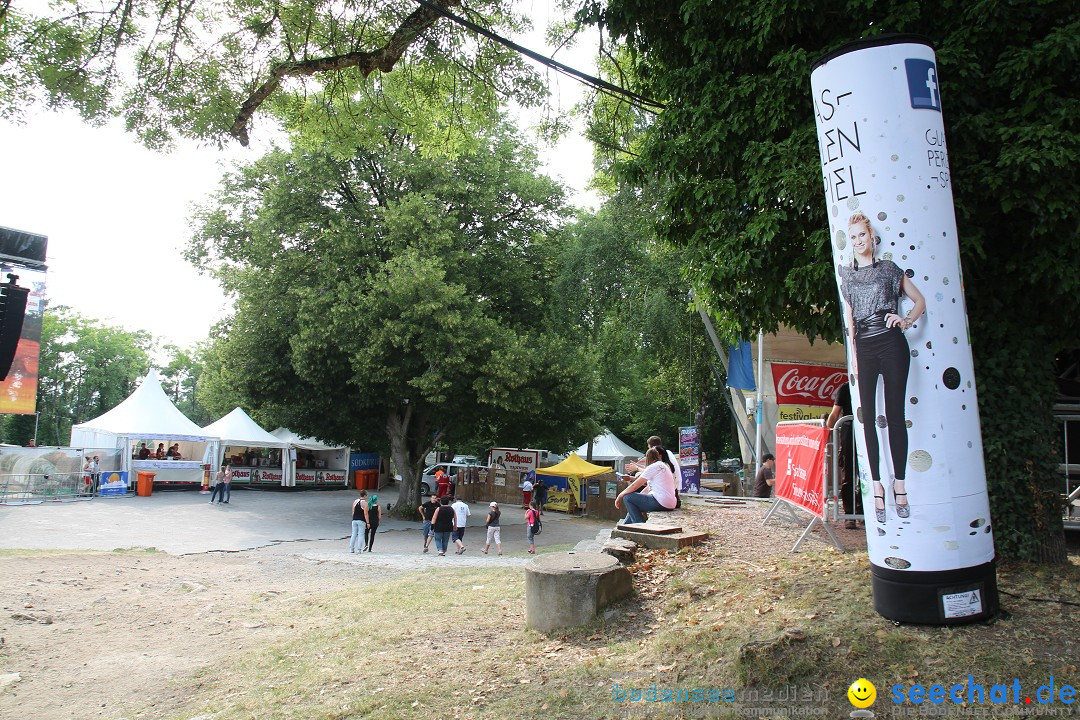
pixel 569 589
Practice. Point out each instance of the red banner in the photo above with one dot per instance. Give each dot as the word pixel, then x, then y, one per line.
pixel 806 384
pixel 800 466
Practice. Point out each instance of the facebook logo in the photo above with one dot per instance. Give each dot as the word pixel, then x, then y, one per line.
pixel 922 84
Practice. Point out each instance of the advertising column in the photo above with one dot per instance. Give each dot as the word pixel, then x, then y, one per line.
pixel 893 232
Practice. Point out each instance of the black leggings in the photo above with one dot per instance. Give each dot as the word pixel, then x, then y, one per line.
pixel 886 355
pixel 369 533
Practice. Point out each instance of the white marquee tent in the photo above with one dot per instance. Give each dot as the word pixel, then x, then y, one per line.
pixel 332 461
pixel 146 414
pixel 609 449
pixel 237 429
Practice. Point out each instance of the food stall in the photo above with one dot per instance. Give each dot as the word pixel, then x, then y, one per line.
pixel 312 463
pixel 256 456
pixel 148 417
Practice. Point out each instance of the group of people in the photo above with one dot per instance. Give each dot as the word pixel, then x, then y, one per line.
pixel 534 490
pixel 145 453
pixel 222 485
pixel 366 516
pixel 91 475
pixel 445 519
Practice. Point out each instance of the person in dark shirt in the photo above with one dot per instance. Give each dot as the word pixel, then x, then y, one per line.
pixel 443 522
pixel 427 511
pixel 765 478
pixel 144 452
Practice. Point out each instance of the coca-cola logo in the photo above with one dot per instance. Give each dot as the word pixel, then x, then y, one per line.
pixel 807 384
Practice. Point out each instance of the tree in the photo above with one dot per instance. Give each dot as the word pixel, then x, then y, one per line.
pixel 180 380
pixel 85 370
pixel 388 299
pixel 736 148
pixel 203 69
pixel 620 289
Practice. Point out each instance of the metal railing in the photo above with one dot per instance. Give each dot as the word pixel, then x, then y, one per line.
pixel 1069 415
pixel 21 488
pixel 832 467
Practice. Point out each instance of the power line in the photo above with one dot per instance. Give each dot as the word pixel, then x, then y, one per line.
pixel 645 103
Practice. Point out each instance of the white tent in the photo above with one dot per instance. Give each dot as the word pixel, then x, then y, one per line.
pixel 608 448
pixel 237 429
pixel 331 462
pixel 146 414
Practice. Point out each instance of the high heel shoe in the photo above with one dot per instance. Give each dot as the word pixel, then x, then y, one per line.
pixel 879 512
pixel 903 511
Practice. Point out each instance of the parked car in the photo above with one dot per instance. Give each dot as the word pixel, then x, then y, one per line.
pixel 729 465
pixel 465 460
pixel 428 485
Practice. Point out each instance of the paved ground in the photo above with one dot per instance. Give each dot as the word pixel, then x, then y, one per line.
pixel 313 523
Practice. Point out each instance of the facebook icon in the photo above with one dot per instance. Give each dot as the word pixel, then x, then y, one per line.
pixel 923 84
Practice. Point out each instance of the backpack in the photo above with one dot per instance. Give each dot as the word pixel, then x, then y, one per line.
pixel 537 527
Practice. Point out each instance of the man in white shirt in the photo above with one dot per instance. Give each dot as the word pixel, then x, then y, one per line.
pixel 461 513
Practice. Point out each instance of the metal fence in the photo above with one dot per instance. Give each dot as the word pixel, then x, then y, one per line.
pixel 20 488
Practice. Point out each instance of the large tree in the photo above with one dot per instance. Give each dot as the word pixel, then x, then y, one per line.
pixel 736 148
pixel 204 68
pixel 391 296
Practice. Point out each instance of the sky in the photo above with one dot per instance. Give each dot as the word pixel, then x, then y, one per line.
pixel 116 214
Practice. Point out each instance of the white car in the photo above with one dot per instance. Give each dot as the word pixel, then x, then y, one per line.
pixel 429 487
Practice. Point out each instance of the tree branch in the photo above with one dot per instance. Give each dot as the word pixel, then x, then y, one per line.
pixel 383 58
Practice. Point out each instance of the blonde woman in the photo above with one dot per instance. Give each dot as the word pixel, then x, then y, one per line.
pixel 872 289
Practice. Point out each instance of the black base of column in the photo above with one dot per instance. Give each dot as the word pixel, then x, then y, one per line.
pixel 940 597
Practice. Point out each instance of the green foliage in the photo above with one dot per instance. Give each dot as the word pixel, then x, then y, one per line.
pixel 85 369
pixel 735 151
pixel 391 296
pixel 201 69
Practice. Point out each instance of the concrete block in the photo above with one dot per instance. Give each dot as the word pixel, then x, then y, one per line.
pixel 569 589
pixel 622 550
pixel 653 541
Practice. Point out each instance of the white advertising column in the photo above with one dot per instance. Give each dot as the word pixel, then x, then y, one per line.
pixel 892 227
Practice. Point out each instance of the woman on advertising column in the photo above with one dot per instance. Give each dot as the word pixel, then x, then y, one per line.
pixel 872 289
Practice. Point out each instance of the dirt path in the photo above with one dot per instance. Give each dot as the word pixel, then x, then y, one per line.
pixel 131 634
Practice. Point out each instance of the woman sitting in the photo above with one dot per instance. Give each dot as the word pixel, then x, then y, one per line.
pixel 659 493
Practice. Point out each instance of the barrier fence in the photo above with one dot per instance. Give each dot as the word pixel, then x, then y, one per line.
pixel 22 488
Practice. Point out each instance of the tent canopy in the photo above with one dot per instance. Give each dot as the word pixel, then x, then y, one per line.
pixel 608 448
pixel 146 413
pixel 574 466
pixel 290 438
pixel 237 428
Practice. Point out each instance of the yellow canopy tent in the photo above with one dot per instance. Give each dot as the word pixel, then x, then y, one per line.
pixel 573 469
pixel 574 466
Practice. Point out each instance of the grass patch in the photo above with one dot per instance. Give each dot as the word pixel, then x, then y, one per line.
pixel 453 644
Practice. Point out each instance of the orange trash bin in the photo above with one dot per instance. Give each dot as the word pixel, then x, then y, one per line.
pixel 145 486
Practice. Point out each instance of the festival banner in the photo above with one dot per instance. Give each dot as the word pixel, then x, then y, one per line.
pixel 19 353
pixel 689 459
pixel 800 466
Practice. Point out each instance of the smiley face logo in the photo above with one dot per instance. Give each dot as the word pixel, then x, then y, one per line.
pixel 862 693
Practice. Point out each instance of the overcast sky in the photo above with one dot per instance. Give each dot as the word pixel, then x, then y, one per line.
pixel 116 214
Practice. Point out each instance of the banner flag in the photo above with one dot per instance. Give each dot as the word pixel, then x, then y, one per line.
pixel 800 466
pixel 741 367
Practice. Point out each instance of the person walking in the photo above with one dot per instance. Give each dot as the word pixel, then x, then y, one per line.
pixel 461 517
pixel 443 522
pixel 526 491
pixel 374 516
pixel 541 491
pixel 226 486
pixel 494 532
pixel 532 524
pixel 427 511
pixel 359 521
pixel 218 483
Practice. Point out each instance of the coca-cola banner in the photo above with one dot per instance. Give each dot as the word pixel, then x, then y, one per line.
pixel 806 384
pixel 800 466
